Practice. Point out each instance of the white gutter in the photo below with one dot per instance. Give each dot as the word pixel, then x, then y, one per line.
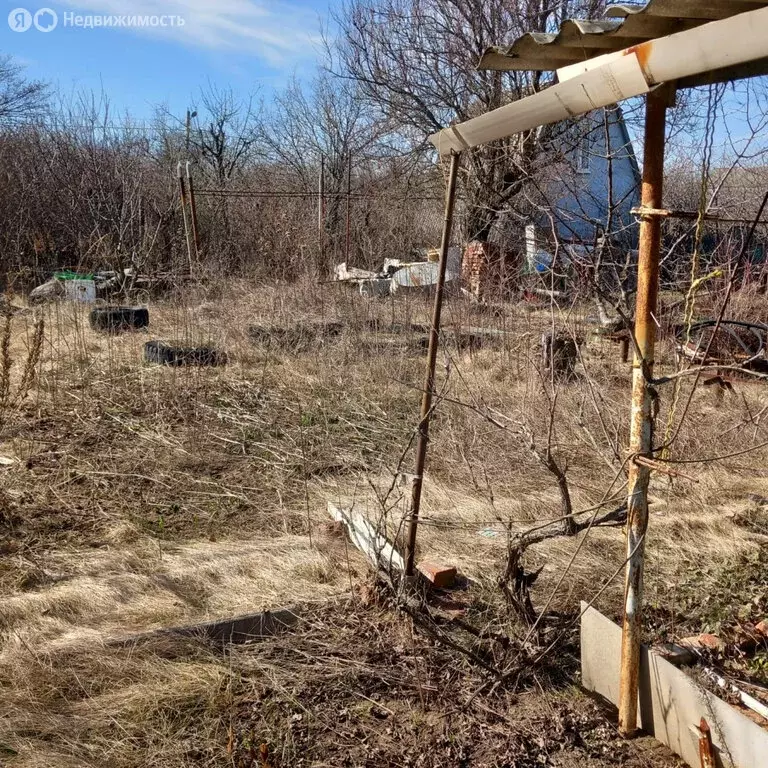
pixel 719 44
pixel 613 77
pixel 604 85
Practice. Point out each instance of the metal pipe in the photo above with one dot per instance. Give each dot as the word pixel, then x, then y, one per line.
pixel 321 201
pixel 349 205
pixel 183 192
pixel 193 211
pixel 641 428
pixel 663 213
pixel 429 382
pixel 720 44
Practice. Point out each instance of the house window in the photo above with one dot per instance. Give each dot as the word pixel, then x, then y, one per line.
pixel 583 153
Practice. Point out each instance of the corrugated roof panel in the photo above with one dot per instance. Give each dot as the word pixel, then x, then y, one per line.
pixel 706 10
pixel 625 25
pixel 736 45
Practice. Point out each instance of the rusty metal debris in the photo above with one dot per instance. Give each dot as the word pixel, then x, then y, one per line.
pixel 399 276
pixel 706 749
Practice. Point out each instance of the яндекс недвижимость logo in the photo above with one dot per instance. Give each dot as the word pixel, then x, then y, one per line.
pixel 44 20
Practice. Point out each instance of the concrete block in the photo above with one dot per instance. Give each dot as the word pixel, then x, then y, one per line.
pixel 442 576
pixel 671 704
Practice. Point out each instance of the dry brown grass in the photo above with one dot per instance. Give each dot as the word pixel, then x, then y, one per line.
pixel 145 496
pixel 358 686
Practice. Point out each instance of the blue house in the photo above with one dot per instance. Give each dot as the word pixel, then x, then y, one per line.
pixel 603 185
pixel 589 188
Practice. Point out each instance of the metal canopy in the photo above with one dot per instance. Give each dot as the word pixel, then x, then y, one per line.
pixel 624 25
pixel 736 43
pixel 599 63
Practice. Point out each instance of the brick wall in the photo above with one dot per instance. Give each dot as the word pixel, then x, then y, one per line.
pixel 487 271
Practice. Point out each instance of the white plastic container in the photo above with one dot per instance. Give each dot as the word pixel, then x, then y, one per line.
pixel 80 290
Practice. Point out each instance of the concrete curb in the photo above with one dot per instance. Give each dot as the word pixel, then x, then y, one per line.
pixel 671 703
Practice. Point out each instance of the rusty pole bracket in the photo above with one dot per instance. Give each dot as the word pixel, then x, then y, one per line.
pixel 429 382
pixel 641 427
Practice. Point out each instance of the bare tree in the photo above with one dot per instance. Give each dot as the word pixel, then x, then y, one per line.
pixel 327 123
pixel 226 137
pixel 20 99
pixel 415 61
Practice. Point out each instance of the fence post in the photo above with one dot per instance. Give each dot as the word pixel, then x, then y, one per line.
pixel 183 192
pixel 321 210
pixel 193 211
pixel 349 204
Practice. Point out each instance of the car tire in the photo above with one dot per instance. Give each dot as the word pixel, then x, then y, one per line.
pixel 167 353
pixel 118 319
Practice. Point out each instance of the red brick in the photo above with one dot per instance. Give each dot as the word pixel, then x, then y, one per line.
pixel 705 641
pixel 762 628
pixel 442 576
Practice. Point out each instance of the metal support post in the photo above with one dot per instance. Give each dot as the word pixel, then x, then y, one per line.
pixel 641 428
pixel 429 383
pixel 187 234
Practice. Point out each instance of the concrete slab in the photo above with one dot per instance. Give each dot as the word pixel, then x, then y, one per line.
pixel 368 539
pixel 671 702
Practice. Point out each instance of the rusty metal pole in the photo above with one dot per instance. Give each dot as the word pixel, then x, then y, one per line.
pixel 183 191
pixel 641 428
pixel 193 211
pixel 429 382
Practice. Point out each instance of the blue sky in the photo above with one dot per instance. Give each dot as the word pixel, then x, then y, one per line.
pixel 250 45
pixel 254 46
